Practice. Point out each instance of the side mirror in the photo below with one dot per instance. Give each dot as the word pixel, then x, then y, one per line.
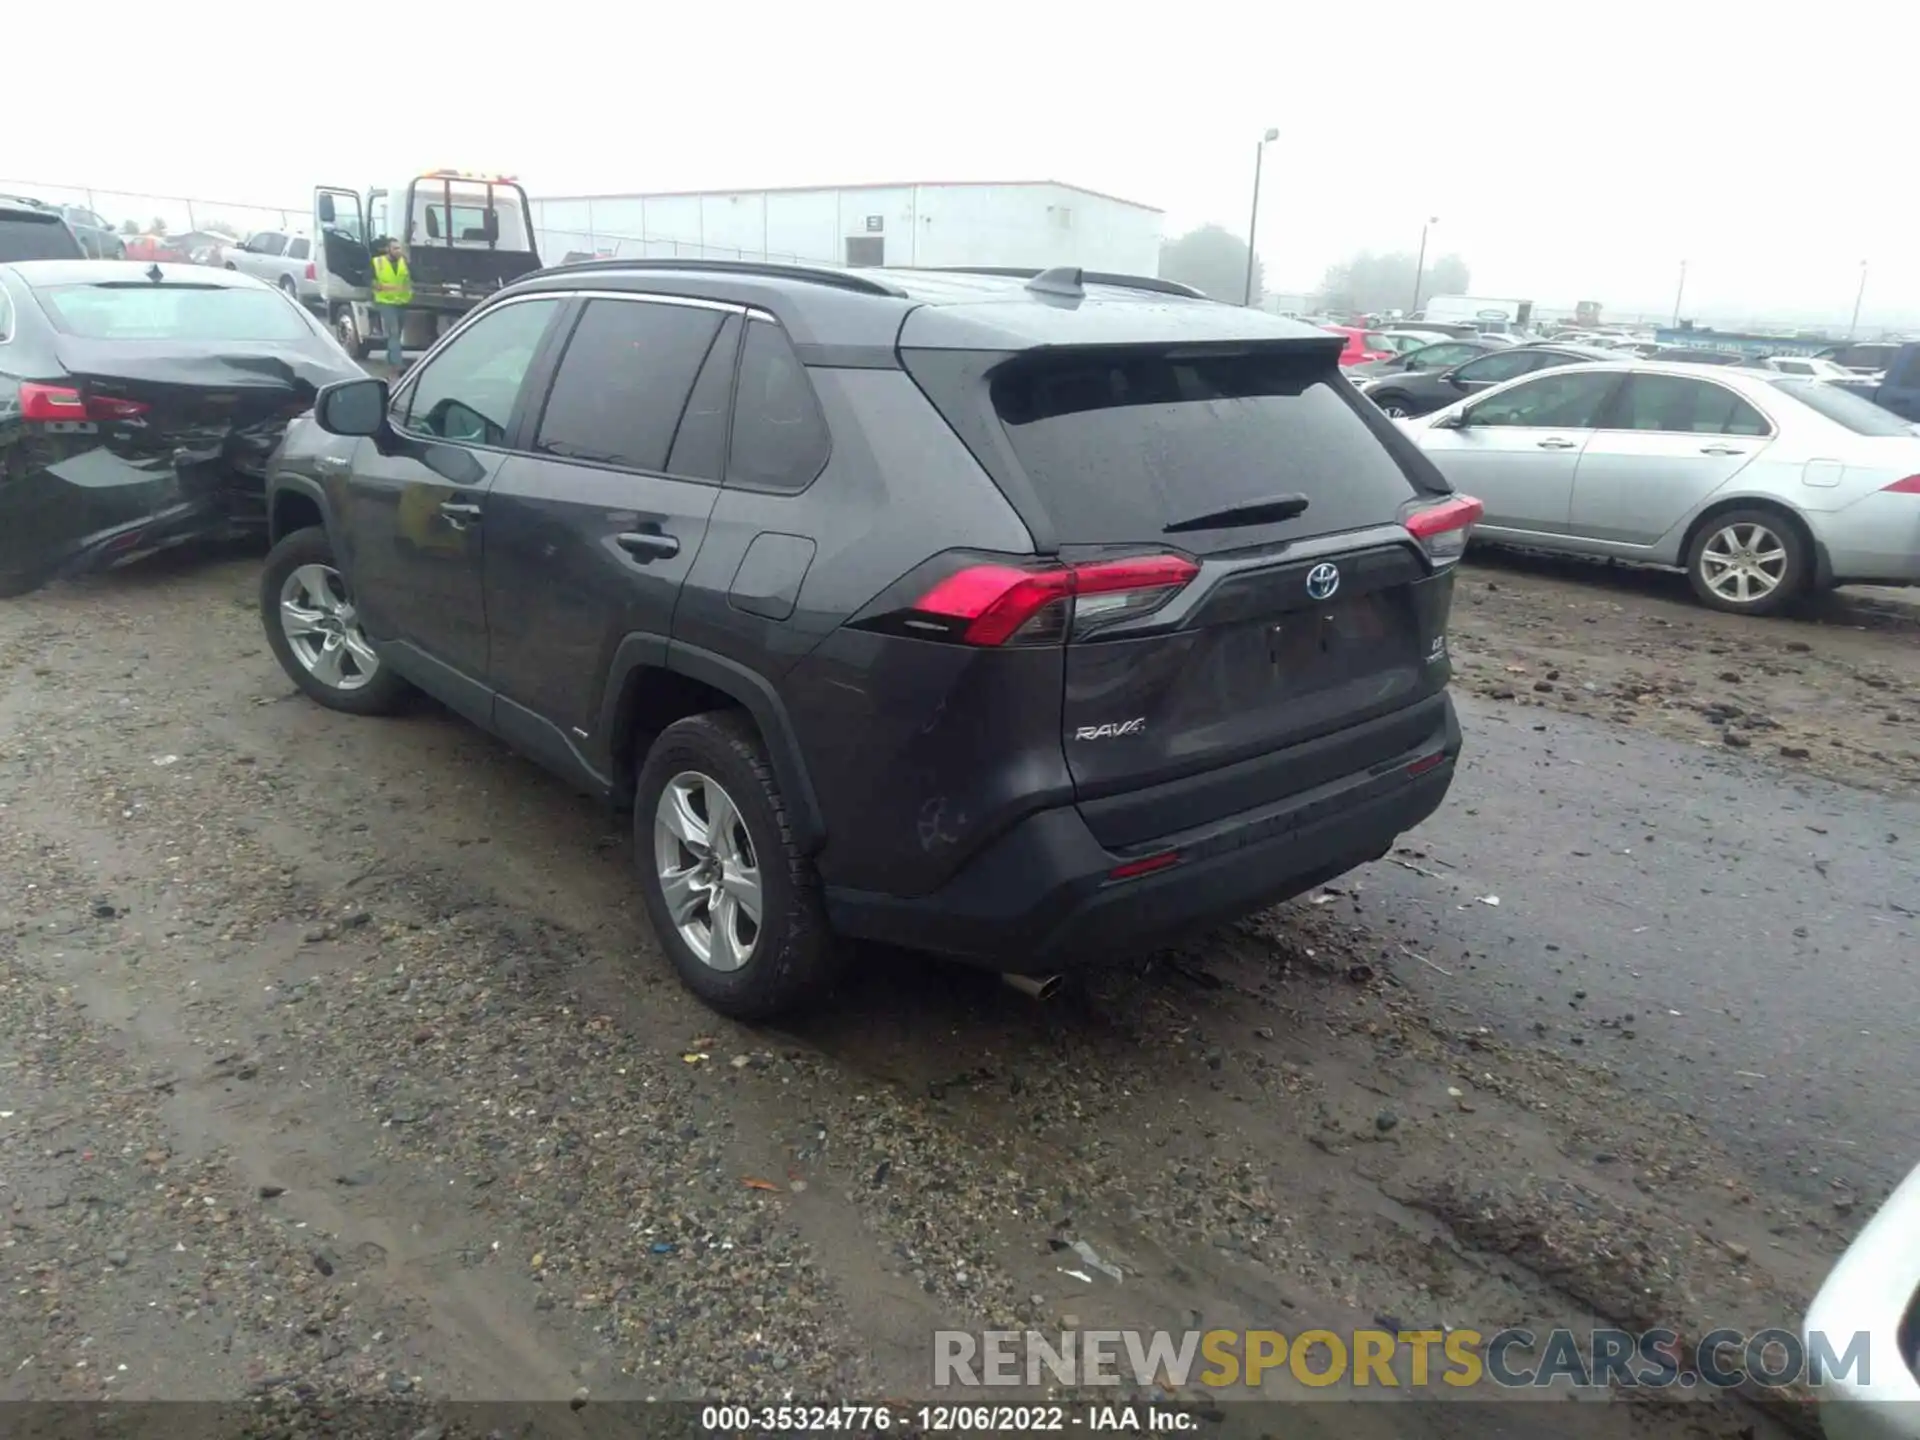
pixel 327 213
pixel 352 407
pixel 1452 377
pixel 1457 421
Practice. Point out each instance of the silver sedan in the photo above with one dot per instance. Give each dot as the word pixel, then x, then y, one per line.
pixel 1872 1292
pixel 1759 486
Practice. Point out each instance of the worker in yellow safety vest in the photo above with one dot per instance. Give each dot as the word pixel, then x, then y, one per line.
pixel 392 293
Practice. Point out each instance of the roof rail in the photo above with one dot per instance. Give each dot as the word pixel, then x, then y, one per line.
pixel 816 274
pixel 1058 275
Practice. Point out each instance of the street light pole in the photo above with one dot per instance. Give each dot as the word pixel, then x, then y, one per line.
pixel 1253 221
pixel 1858 296
pixel 1420 265
pixel 1680 295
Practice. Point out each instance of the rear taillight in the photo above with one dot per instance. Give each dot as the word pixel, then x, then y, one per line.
pixel 1442 528
pixel 1908 486
pixel 312 273
pixel 53 403
pixel 1007 605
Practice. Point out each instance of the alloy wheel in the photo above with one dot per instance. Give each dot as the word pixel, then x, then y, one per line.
pixel 709 874
pixel 1744 562
pixel 323 629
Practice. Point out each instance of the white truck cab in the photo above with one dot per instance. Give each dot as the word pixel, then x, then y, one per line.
pixel 465 235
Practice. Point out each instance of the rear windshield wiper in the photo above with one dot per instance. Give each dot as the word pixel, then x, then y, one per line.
pixel 1253 512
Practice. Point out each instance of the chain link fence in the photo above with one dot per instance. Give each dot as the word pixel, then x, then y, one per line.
pixel 132 212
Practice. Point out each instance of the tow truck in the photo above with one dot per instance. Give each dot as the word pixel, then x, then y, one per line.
pixel 465 235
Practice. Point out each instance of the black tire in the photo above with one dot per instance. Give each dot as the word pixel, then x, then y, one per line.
pixel 793 960
pixel 1394 402
pixel 288 288
pixel 1795 570
pixel 382 693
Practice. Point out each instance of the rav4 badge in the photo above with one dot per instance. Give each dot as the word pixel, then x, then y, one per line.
pixel 1112 729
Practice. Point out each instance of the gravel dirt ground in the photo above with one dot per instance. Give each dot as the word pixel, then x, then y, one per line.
pixel 337 1063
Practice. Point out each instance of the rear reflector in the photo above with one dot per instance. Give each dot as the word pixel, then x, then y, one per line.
pixel 1426 763
pixel 1001 604
pixel 1146 866
pixel 54 403
pixel 1908 486
pixel 1442 529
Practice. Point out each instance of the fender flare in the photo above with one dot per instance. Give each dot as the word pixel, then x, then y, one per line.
pixel 756 696
pixel 296 485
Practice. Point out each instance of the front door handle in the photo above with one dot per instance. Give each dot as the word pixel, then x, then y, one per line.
pixel 458 514
pixel 648 545
pixel 1721 450
pixel 1558 444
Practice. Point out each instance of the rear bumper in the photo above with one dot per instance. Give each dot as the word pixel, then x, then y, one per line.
pixel 1042 898
pixel 1874 541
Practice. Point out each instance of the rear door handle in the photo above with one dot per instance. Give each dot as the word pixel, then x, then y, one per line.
pixel 1558 444
pixel 648 546
pixel 1722 450
pixel 458 514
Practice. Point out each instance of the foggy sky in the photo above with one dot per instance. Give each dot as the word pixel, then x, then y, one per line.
pixel 1570 152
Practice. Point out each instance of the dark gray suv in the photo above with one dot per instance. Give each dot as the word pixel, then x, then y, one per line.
pixel 1023 618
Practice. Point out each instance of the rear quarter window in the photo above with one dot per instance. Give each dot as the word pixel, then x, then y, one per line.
pixel 1120 445
pixel 1845 408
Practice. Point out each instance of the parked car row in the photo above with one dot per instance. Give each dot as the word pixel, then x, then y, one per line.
pixel 1761 486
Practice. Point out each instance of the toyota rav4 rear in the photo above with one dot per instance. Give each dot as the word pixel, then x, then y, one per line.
pixel 1218 678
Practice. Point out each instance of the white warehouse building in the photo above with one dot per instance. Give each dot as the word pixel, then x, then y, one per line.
pixel 1024 223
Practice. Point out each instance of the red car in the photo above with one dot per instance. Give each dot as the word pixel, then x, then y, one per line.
pixel 159 247
pixel 1362 345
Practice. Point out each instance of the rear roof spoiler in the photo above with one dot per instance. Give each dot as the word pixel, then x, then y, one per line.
pixel 1072 280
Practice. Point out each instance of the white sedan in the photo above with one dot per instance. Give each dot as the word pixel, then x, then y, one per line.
pixel 1760 486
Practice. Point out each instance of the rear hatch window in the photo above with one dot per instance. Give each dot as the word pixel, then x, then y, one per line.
pixel 1120 445
pixel 25 235
pixel 145 311
pixel 1303 649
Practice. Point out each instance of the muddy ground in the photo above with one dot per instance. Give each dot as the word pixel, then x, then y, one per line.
pixel 337 1063
pixel 1829 690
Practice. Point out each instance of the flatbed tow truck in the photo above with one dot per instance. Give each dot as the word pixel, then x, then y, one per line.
pixel 465 235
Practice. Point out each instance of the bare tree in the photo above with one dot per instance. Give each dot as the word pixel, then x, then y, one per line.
pixel 1212 260
pixel 1370 282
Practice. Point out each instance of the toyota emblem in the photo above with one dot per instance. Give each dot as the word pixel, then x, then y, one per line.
pixel 1322 581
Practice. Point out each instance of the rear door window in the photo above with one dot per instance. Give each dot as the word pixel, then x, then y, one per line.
pixel 1119 445
pixel 298 249
pixel 624 382
pixel 1675 404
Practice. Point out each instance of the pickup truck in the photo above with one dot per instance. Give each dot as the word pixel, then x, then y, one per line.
pixel 279 258
pixel 1897 388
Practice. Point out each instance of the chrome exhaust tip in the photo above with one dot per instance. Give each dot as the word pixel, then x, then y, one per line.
pixel 1036 987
